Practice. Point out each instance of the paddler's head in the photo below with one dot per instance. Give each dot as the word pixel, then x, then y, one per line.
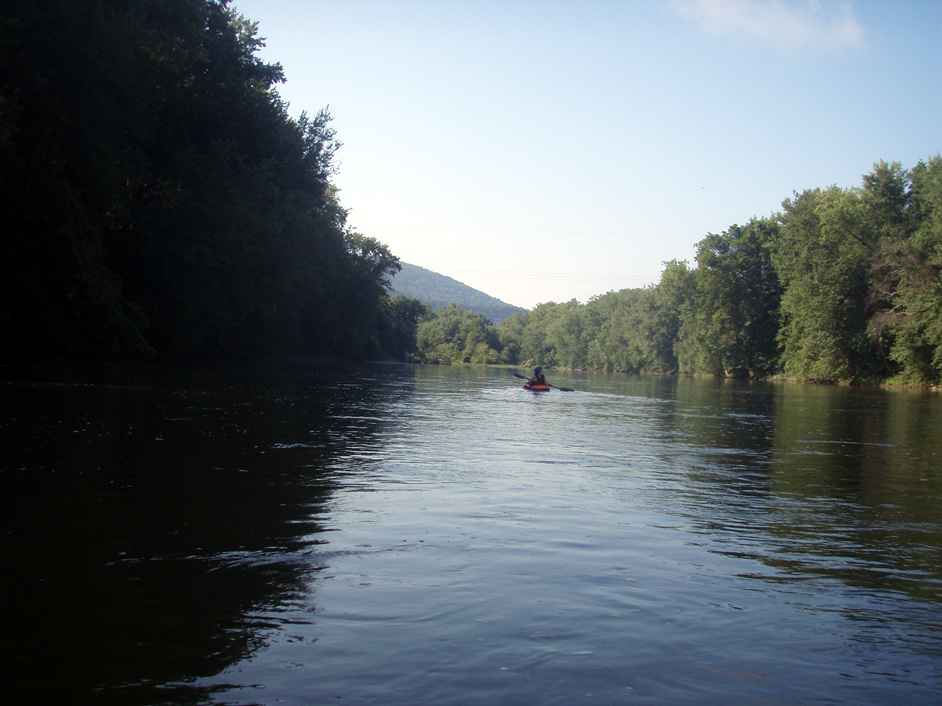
pixel 537 371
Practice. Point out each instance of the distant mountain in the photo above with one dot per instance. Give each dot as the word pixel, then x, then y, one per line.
pixel 438 291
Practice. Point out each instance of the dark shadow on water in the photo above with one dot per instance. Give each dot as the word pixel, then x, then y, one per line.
pixel 155 529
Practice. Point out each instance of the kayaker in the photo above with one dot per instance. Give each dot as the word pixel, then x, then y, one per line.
pixel 538 377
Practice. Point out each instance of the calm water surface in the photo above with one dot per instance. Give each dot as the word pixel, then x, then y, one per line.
pixel 439 536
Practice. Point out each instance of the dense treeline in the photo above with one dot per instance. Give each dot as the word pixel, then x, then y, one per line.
pixel 842 285
pixel 454 335
pixel 157 196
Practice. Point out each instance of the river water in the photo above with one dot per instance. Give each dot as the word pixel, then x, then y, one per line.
pixel 440 536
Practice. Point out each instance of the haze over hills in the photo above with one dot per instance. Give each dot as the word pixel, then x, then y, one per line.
pixel 438 291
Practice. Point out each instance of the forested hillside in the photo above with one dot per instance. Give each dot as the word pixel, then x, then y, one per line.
pixel 158 198
pixel 842 285
pixel 439 291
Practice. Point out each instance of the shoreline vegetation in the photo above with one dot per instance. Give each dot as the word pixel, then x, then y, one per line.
pixel 161 203
pixel 771 379
pixel 842 286
pixel 188 216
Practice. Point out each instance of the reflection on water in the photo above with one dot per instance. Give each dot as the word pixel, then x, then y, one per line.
pixel 428 535
pixel 160 533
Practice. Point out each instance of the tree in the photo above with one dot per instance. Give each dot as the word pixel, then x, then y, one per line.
pixel 670 303
pixel 535 350
pixel 731 326
pixel 622 339
pixel 565 335
pixel 397 329
pixel 822 259
pixel 909 273
pixel 510 334
pixel 455 336
pixel 185 213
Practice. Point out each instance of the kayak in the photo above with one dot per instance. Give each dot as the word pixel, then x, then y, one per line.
pixel 536 387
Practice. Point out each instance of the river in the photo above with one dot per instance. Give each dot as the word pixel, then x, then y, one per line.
pixel 432 535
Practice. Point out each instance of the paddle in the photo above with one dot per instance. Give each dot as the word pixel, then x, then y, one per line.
pixel 555 387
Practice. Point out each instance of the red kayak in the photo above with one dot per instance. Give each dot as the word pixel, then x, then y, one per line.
pixel 537 387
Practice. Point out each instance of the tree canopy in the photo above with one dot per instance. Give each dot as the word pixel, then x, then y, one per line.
pixel 159 198
pixel 842 285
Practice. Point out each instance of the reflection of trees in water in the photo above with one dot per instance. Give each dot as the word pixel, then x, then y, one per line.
pixel 832 482
pixel 722 438
pixel 153 534
pixel 859 469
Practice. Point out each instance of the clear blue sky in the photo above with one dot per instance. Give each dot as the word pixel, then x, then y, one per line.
pixel 554 150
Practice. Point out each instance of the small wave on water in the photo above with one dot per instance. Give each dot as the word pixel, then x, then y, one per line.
pixel 433 535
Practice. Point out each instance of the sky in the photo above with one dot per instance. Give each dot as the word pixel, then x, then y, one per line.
pixel 548 151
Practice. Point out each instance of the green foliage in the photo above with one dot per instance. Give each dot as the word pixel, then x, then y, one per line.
pixel 673 299
pixel 453 336
pixel 397 328
pixel 861 274
pixel 534 349
pixel 623 331
pixel 565 335
pixel 510 333
pixel 158 197
pixel 844 285
pixel 731 330
pixel 627 331
pixel 822 259
pixel 911 263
